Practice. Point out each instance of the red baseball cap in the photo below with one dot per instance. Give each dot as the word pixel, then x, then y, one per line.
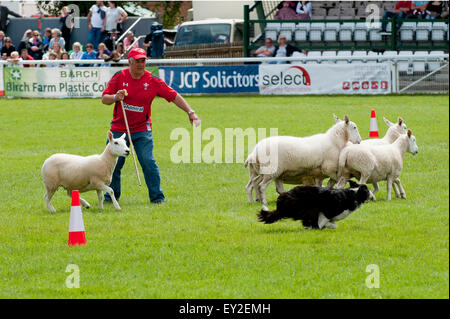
pixel 137 53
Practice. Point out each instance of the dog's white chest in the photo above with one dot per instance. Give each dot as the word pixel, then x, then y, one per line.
pixel 341 216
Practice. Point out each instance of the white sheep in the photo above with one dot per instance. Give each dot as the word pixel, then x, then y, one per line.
pixel 279 158
pixel 372 164
pixel 74 172
pixel 286 178
pixel 393 132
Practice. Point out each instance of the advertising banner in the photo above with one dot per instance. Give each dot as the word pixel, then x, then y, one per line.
pixel 211 79
pixel 57 82
pixel 354 78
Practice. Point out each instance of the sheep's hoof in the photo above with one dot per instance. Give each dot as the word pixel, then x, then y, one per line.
pixel 403 196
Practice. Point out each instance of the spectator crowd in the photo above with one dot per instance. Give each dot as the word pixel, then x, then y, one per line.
pixel 302 10
pixel 105 27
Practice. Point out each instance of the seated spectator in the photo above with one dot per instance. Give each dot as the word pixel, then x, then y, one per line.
pixel 120 49
pixel 304 10
pixel 115 56
pixel 103 52
pixel 7 48
pixel 25 38
pixel 444 14
pixel 128 41
pixel 14 59
pixel 284 49
pixel 434 9
pixel 266 50
pixel 90 54
pixel 46 39
pixel 26 57
pixel 2 39
pixel 110 39
pixel 57 49
pixel 402 9
pixel 286 12
pixel 56 37
pixel 77 52
pixel 52 56
pixel 64 56
pixel 34 46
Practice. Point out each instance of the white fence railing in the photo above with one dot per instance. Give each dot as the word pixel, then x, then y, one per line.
pixel 411 73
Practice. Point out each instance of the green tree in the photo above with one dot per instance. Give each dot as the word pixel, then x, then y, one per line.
pixel 171 14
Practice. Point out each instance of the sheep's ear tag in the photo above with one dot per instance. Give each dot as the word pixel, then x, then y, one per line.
pixel 322 221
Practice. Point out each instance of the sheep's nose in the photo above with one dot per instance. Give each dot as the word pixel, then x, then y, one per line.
pixel 127 152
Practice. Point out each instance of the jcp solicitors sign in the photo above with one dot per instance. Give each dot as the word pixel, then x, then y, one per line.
pixel 355 78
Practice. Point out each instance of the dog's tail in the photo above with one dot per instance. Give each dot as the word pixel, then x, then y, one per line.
pixel 268 217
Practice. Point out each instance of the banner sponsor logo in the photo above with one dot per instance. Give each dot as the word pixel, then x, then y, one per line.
pixel 212 79
pixel 355 78
pixel 60 82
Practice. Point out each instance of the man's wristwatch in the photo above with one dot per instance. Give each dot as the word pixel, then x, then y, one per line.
pixel 191 112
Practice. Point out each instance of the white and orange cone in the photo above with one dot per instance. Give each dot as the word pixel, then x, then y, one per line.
pixel 76 225
pixel 373 132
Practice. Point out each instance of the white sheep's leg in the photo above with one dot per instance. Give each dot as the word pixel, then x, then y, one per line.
pixel 389 187
pixel 342 182
pixel 364 178
pixel 82 201
pixel 263 186
pixel 255 182
pixel 331 183
pixel 400 187
pixel 47 197
pixel 279 186
pixel 100 199
pixel 318 182
pixel 110 191
pixel 249 190
pixel 375 190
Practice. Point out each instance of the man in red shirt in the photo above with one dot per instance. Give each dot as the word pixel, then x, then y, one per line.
pixel 142 87
pixel 402 9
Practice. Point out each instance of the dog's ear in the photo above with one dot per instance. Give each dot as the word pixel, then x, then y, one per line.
pixel 353 184
pixel 362 194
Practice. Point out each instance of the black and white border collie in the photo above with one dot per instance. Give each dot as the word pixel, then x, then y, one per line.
pixel 317 207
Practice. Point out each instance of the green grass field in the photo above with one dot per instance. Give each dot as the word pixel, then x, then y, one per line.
pixel 205 242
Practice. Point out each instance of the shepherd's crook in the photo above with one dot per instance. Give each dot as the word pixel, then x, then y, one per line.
pixel 131 142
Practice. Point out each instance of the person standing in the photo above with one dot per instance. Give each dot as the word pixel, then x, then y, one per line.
pixel 67 24
pixel 97 22
pixel 114 17
pixel 142 87
pixel 4 12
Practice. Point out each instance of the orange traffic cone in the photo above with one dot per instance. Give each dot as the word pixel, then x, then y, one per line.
pixel 373 125
pixel 76 225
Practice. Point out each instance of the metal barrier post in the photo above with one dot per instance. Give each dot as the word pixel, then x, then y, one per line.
pixel 246 27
